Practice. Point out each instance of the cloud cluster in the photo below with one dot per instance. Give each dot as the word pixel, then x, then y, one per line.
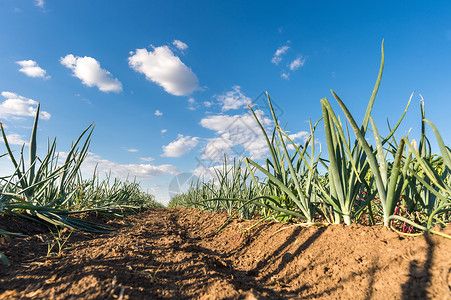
pixel 298 138
pixel 31 69
pixel 17 106
pixel 140 171
pixel 182 145
pixel 180 45
pixel 292 66
pixel 162 67
pixel 88 70
pixel 233 99
pixel 15 139
pixel 234 135
pixel 277 57
pixel 297 63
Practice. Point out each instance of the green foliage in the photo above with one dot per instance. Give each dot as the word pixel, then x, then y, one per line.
pixel 51 192
pixel 59 241
pixel 390 181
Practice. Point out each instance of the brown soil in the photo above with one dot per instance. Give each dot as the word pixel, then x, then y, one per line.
pixel 175 253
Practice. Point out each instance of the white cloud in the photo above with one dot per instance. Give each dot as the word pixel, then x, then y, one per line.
pixel 88 70
pixel 277 58
pixel 31 69
pixel 39 3
pixel 15 139
pixel 301 135
pixel 132 150
pixel 158 113
pixel 165 69
pixel 181 146
pixel 163 130
pixel 298 138
pixel 148 159
pixel 208 103
pixel 233 99
pixel 285 75
pixel 140 171
pixel 180 45
pixel 17 106
pixel 297 63
pixel 235 134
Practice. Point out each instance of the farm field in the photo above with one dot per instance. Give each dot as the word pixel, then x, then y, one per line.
pixel 176 253
pixel 225 150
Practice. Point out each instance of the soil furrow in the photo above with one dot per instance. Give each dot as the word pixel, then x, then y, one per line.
pixel 177 254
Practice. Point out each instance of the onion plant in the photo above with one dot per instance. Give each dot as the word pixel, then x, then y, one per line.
pixel 392 174
pixel 430 188
pixel 49 192
pixel 231 185
pixel 290 175
pixel 348 168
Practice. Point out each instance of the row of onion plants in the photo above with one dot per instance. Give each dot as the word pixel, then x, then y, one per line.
pixel 51 190
pixel 393 181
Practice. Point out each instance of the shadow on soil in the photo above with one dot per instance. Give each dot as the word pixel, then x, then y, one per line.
pixel 419 277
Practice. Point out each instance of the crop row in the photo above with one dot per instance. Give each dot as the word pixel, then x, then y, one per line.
pixel 51 190
pixel 397 182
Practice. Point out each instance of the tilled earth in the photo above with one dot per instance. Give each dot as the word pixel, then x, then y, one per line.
pixel 177 254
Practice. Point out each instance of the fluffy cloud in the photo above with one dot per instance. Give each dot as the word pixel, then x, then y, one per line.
pixel 31 69
pixel 14 139
pixel 235 134
pixel 140 171
pixel 297 63
pixel 165 69
pixel 301 135
pixel 298 138
pixel 164 130
pixel 158 113
pixel 88 70
pixel 180 45
pixel 181 146
pixel 19 106
pixel 233 99
pixel 277 58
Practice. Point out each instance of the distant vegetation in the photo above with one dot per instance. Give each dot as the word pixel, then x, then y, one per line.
pixel 396 181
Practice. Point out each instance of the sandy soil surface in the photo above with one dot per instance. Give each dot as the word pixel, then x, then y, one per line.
pixel 176 254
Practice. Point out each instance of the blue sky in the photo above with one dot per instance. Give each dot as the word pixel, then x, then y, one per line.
pixel 167 82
